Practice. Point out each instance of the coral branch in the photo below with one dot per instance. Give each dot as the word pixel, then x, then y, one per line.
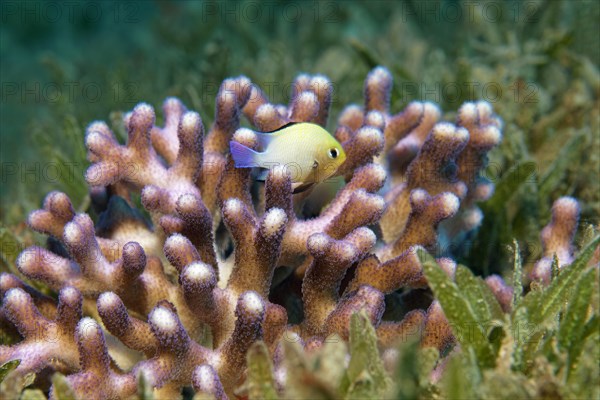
pixel 134 333
pixel 406 132
pixel 177 354
pixel 96 379
pixel 402 271
pixel 206 381
pixel 57 212
pixel 426 213
pixel 392 333
pixel 437 331
pixel 46 341
pixel 433 170
pixel 557 238
pixel 231 98
pixel 165 139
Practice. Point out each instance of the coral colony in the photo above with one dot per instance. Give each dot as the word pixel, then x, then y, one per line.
pixel 181 300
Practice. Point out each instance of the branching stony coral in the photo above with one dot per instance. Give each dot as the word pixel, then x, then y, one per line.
pixel 185 308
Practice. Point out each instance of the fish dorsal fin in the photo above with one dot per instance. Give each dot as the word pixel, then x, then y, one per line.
pixel 264 138
pixel 283 127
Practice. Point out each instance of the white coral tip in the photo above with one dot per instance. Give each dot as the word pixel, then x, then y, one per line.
pixel 108 300
pixel 163 319
pixel 233 206
pixel 274 220
pixel 198 271
pixel 253 303
pixel 15 296
pixel 88 328
pixel 190 120
pixel 244 136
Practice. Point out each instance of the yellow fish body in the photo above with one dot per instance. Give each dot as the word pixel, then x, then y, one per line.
pixel 308 152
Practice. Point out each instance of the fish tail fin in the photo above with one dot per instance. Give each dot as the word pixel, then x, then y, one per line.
pixel 243 157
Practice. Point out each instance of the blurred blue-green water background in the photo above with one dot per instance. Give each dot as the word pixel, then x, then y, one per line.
pixel 67 63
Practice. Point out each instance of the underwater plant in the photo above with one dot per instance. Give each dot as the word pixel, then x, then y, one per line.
pixel 196 276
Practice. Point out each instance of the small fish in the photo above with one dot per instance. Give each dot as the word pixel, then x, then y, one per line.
pixel 308 151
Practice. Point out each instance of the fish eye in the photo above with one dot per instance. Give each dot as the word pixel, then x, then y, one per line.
pixel 333 152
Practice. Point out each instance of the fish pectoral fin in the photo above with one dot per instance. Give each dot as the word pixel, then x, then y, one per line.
pixel 302 187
